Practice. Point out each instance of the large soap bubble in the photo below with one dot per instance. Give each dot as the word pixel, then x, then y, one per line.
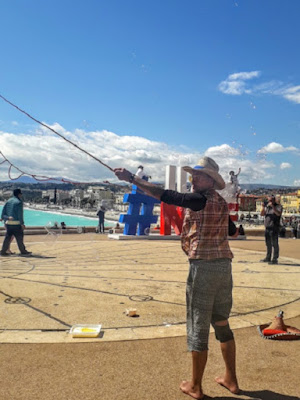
pixel 53 229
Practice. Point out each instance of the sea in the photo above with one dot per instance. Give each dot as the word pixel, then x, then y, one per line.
pixel 44 218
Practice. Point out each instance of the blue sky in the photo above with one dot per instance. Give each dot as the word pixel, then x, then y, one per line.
pixel 153 83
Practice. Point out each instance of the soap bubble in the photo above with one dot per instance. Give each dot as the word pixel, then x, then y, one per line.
pixel 54 229
pixel 253 130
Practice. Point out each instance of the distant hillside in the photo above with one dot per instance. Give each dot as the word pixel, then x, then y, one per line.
pixel 244 186
pixel 254 186
pixel 22 179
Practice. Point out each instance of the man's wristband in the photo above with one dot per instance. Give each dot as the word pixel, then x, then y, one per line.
pixel 131 179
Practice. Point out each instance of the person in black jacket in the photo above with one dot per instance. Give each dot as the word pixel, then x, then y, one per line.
pixel 272 212
pixel 101 215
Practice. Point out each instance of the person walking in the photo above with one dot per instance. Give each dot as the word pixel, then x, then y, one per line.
pixel 101 215
pixel 272 212
pixel 209 284
pixel 13 213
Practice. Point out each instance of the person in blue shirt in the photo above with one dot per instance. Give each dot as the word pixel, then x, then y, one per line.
pixel 13 214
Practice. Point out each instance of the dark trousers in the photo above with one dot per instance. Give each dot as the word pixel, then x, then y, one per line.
pixel 271 237
pixel 101 226
pixel 295 232
pixel 17 232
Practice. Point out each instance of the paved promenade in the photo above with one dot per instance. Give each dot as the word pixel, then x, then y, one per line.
pixel 90 279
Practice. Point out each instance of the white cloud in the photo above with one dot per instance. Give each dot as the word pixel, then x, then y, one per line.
pixel 276 148
pixel 285 165
pixel 46 154
pixel 292 93
pixel 231 159
pixel 49 155
pixel 235 83
pixel 270 87
pixel 297 182
pixel 222 151
pixel 243 76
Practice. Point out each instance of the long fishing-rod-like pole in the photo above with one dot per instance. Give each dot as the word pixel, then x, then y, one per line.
pixel 48 127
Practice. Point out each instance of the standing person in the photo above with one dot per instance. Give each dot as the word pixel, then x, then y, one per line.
pixel 272 212
pixel 294 226
pixel 241 230
pixel 234 177
pixel 235 183
pixel 101 214
pixel 141 174
pixel 13 210
pixel 140 171
pixel 209 283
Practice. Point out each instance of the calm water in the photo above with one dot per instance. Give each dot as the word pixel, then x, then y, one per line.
pixel 42 218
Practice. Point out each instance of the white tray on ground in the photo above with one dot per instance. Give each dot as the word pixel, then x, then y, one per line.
pixel 85 331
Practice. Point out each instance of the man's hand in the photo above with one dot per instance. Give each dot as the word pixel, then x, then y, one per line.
pixel 123 174
pixel 149 188
pixel 23 227
pixel 10 218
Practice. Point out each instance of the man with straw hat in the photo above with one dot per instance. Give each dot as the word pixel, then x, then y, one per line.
pixel 209 284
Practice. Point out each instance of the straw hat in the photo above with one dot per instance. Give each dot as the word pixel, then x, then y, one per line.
pixel 209 167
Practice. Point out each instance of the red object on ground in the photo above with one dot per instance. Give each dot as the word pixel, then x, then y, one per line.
pixel 269 332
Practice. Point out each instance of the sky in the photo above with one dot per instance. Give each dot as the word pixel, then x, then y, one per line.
pixel 154 83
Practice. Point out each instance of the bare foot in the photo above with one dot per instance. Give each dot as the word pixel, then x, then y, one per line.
pixel 193 391
pixel 232 386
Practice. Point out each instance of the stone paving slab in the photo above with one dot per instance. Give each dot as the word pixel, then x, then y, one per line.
pixel 94 281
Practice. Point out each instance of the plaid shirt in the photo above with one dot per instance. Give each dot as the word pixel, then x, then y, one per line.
pixel 204 233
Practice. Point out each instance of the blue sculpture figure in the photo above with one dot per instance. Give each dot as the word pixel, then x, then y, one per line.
pixel 140 212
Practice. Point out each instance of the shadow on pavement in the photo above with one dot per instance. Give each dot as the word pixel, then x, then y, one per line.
pixel 289 264
pixel 36 256
pixel 265 395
